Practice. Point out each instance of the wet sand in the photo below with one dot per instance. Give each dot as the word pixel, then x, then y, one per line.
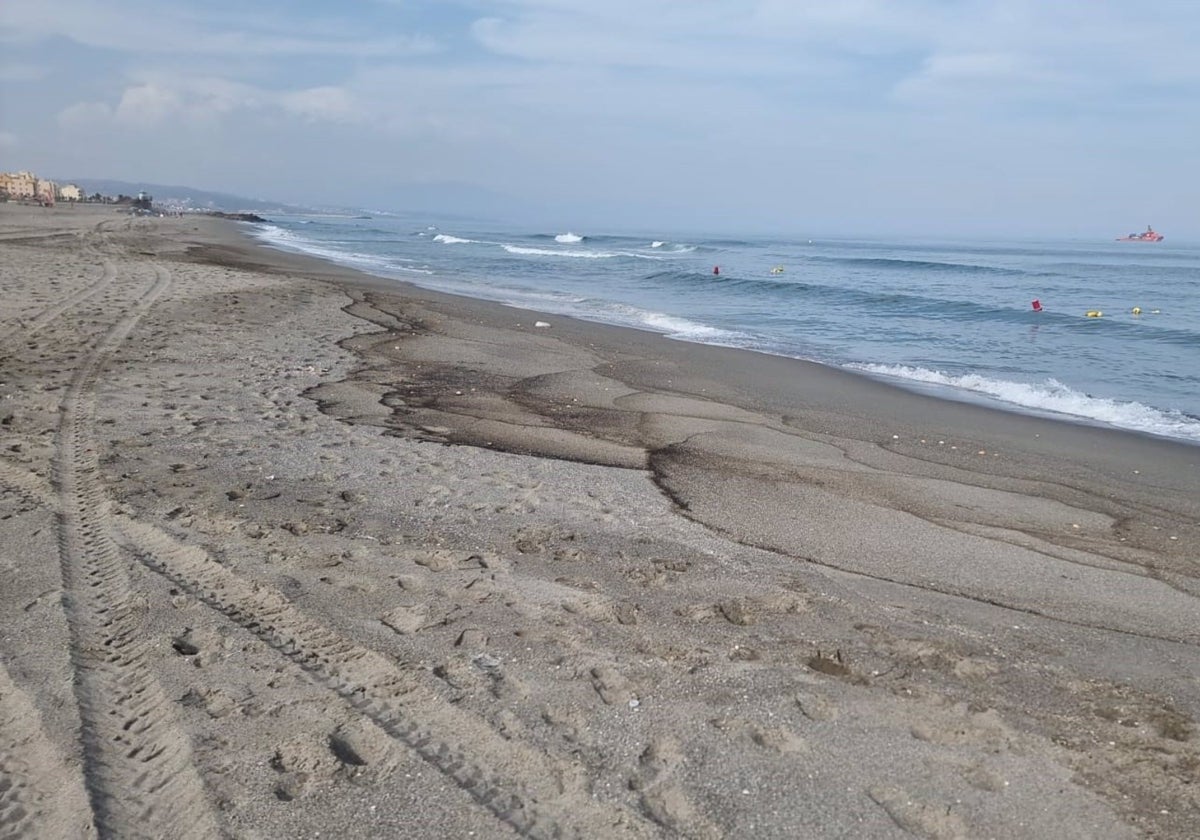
pixel 291 551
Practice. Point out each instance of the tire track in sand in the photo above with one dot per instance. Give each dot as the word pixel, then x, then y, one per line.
pixel 138 765
pixel 393 698
pixel 35 324
pixel 40 795
pixel 374 686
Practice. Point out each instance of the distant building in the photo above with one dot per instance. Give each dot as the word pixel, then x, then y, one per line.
pixel 19 184
pixel 46 189
pixel 70 192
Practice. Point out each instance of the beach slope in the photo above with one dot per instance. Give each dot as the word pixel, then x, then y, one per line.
pixel 291 551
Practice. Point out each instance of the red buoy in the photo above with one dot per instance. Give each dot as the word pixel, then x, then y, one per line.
pixel 716 269
pixel 1037 306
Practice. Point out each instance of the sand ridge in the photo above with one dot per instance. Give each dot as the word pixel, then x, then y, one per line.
pixel 338 557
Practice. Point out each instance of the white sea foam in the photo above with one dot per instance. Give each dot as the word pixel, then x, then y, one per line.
pixel 672 247
pixel 1052 397
pixel 672 326
pixel 287 240
pixel 683 328
pixel 411 270
pixel 568 238
pixel 526 251
pixel 549 252
pixel 447 239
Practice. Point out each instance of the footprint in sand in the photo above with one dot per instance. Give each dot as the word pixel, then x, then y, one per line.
pixel 214 701
pixel 406 619
pixel 461 675
pixel 348 751
pixel 961 726
pixel 778 739
pixel 817 707
pixel 662 797
pixel 924 819
pixel 743 611
pixel 612 686
pixel 775 738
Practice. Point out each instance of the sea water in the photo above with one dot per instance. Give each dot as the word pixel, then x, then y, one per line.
pixel 952 317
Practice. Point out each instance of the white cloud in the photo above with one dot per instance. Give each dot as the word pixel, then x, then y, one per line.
pixel 210 97
pixel 980 77
pixel 85 115
pixel 612 98
pixel 146 104
pixel 326 103
pixel 705 39
pixel 161 27
pixel 163 99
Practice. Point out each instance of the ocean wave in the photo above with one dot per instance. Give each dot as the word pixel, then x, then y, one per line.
pixel 672 247
pixel 527 251
pixel 408 269
pixel 287 240
pixel 731 281
pixel 1185 271
pixel 568 238
pixel 671 326
pixel 921 265
pixel 447 239
pixel 1051 397
pixel 793 287
pixel 284 238
pixel 1146 328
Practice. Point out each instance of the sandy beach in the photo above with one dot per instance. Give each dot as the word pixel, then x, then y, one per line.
pixel 290 551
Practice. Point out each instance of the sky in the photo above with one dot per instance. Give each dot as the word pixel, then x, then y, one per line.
pixel 959 117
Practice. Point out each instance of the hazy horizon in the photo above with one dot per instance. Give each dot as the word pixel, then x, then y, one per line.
pixel 916 117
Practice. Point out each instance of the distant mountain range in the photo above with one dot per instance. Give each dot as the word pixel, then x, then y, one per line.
pixel 443 199
pixel 175 196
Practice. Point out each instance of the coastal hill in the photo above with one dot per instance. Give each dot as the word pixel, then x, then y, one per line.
pixel 189 198
pixel 441 198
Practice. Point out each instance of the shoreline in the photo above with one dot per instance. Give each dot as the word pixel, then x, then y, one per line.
pixel 1169 423
pixel 1085 439
pixel 392 562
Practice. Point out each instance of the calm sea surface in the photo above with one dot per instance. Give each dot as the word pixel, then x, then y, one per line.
pixel 950 317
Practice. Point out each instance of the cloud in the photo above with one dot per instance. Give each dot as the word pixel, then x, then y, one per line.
pixel 85 115
pixel 980 77
pixel 926 52
pixel 587 100
pixel 327 103
pixel 701 39
pixel 173 28
pixel 146 104
pixel 207 99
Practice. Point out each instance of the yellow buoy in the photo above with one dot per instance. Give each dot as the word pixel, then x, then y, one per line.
pixel 1137 310
pixel 1094 313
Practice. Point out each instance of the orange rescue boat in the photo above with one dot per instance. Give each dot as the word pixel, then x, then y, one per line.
pixel 1149 236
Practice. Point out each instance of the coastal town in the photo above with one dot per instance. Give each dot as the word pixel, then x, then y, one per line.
pixel 26 186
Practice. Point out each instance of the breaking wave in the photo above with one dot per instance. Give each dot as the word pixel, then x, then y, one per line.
pixel 1051 397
